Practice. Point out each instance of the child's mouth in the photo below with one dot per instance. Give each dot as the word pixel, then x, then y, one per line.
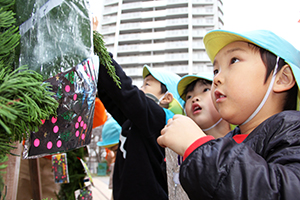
pixel 219 96
pixel 196 108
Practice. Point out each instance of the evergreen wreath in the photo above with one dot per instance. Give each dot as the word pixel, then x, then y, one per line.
pixel 24 98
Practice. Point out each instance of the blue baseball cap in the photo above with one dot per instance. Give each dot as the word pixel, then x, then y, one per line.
pixel 170 80
pixel 215 40
pixel 110 133
pixel 187 79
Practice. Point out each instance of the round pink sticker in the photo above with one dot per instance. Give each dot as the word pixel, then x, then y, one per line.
pixel 36 142
pixel 79 119
pixel 76 125
pixel 75 97
pixel 55 129
pixel 77 133
pixel 59 143
pixel 83 136
pixel 53 120
pixel 84 126
pixel 81 123
pixel 49 145
pixel 67 88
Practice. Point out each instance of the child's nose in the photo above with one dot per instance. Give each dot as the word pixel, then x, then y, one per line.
pixel 217 80
pixel 195 99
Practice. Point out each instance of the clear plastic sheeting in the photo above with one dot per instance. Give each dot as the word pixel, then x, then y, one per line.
pixel 56 35
pixel 57 42
pixel 75 90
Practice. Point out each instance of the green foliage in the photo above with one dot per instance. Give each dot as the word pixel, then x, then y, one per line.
pixel 9 37
pixel 24 98
pixel 24 101
pixel 105 60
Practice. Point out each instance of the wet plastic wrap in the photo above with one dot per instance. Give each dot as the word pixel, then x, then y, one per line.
pixel 56 35
pixel 57 42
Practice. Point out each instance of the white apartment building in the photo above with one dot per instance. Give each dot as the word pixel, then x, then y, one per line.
pixel 160 33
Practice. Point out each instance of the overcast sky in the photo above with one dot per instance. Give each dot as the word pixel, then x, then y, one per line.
pixel 279 16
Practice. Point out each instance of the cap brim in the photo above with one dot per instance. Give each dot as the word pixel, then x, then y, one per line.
pixel 106 144
pixel 186 80
pixel 215 40
pixel 183 83
pixel 146 71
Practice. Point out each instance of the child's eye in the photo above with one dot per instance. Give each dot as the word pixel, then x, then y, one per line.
pixel 188 97
pixel 234 60
pixel 206 90
pixel 216 71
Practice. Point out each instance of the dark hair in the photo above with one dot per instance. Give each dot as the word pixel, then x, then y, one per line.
pixel 163 88
pixel 269 60
pixel 190 87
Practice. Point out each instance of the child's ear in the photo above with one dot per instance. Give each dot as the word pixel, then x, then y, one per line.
pixel 167 99
pixel 284 79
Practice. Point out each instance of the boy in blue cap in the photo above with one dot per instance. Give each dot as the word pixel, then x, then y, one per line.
pixel 139 171
pixel 255 87
pixel 110 139
pixel 195 90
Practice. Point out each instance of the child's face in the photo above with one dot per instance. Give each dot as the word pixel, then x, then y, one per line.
pixel 152 86
pixel 239 82
pixel 199 106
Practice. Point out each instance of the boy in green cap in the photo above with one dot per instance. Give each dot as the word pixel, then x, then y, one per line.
pixel 139 171
pixel 255 87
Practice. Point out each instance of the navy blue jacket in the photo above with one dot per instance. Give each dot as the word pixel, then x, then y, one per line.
pixel 139 171
pixel 266 165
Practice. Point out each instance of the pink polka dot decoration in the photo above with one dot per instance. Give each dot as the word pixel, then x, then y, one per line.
pixel 53 120
pixel 36 142
pixel 82 136
pixel 58 143
pixel 55 129
pixel 77 133
pixel 84 126
pixel 81 123
pixel 76 125
pixel 49 145
pixel 79 119
pixel 67 88
pixel 75 97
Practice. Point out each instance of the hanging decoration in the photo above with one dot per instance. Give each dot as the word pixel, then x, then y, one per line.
pixel 75 90
pixel 60 168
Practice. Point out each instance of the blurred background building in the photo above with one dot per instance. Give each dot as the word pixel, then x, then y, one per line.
pixel 160 33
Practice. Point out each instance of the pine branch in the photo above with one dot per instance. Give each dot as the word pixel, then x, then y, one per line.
pixel 105 59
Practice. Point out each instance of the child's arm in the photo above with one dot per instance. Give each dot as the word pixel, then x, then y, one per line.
pixel 179 134
pixel 265 166
pixel 128 101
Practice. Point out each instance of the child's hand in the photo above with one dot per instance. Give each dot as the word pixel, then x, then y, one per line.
pixel 179 134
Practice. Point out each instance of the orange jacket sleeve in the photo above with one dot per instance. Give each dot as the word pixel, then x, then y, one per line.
pixel 100 116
